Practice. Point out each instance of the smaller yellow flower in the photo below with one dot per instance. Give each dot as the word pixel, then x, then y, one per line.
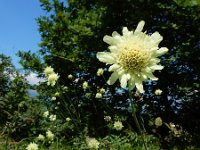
pixel 57 94
pixel 158 92
pixel 52 117
pixel 102 90
pixel 58 103
pixel 100 72
pixel 52 78
pixel 70 76
pixel 92 143
pixel 107 118
pixel 98 95
pixel 46 113
pixel 50 135
pixel 68 119
pixel 85 85
pixel 65 88
pixel 40 137
pixel 118 125
pixel 158 122
pixel 53 98
pixel 172 125
pixel 32 146
pixel 48 70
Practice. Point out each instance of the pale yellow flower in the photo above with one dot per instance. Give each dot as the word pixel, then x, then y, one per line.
pixel 32 146
pixel 52 78
pixel 65 88
pixel 158 121
pixel 107 118
pixel 100 72
pixel 92 143
pixel 98 95
pixel 70 76
pixel 46 113
pixel 68 119
pixel 53 98
pixel 40 137
pixel 118 125
pixel 102 90
pixel 57 94
pixel 158 92
pixel 132 56
pixel 85 85
pixel 50 135
pixel 52 117
pixel 48 70
pixel 172 125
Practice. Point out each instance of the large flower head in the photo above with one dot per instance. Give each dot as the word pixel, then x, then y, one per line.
pixel 132 56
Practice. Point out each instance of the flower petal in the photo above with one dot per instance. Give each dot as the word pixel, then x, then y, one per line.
pixel 147 70
pixel 115 34
pixel 108 39
pixel 148 73
pixel 124 79
pixel 140 26
pixel 139 85
pixel 156 37
pixel 152 77
pixel 157 67
pixel 131 83
pixel 114 67
pixel 113 48
pixel 106 57
pixel 113 78
pixel 126 32
pixel 154 61
pixel 161 51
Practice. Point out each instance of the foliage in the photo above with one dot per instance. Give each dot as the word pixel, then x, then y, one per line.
pixel 19 111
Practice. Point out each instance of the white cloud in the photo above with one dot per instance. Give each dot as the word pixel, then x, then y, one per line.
pixel 33 79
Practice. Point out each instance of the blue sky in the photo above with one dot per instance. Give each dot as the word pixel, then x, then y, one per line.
pixel 18 27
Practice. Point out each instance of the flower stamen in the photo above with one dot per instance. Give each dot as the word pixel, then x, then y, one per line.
pixel 133 60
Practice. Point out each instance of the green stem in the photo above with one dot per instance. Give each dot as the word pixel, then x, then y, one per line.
pixel 136 120
pixel 57 143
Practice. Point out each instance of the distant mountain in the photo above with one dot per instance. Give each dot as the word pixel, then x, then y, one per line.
pixel 32 93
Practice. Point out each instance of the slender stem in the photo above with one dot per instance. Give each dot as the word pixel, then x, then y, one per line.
pixel 57 143
pixel 136 120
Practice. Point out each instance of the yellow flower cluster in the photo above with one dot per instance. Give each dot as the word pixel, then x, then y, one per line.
pixel 52 77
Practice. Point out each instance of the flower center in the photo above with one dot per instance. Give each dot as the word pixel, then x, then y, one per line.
pixel 134 59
